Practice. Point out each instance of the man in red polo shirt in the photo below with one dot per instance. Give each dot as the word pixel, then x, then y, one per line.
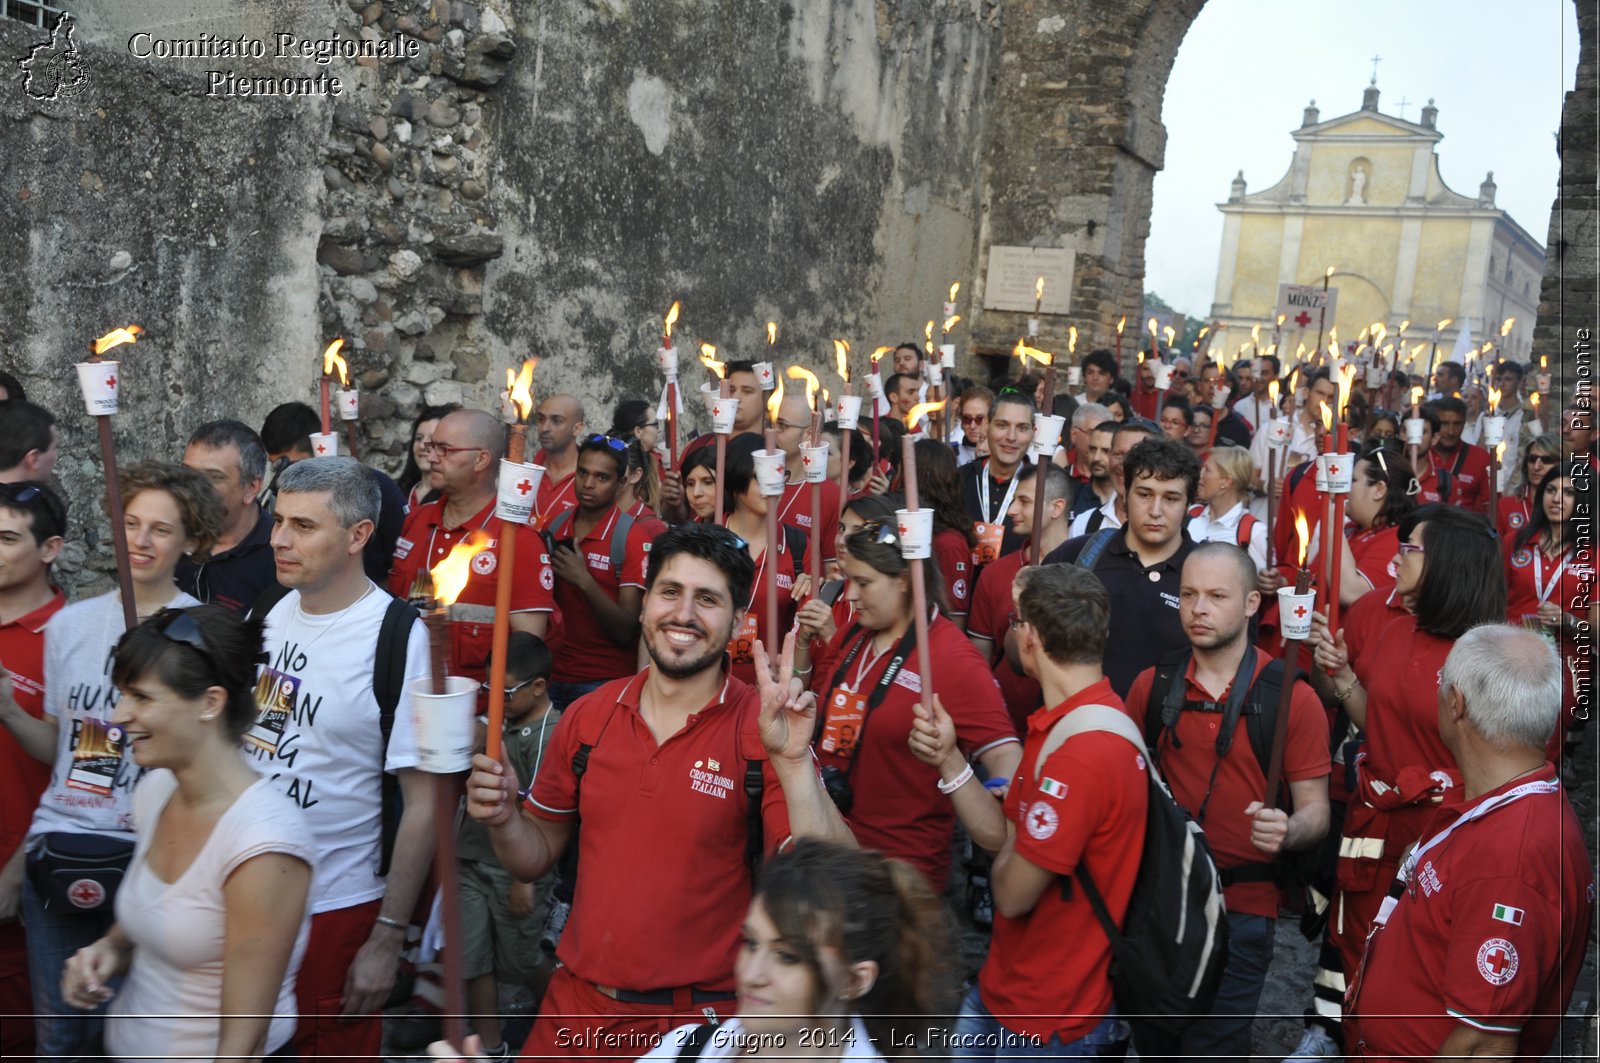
pixel 671 759
pixel 1480 943
pixel 1467 463
pixel 1217 678
pixel 467 447
pixel 598 598
pixel 1046 986
pixel 32 520
pixel 794 509
pixel 560 425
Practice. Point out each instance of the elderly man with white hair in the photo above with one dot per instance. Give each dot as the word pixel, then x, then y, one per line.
pixel 1478 947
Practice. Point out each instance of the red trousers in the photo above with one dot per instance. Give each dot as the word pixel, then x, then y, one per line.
pixel 322 1033
pixel 576 1020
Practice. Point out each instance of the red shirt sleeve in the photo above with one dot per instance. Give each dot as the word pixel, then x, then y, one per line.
pixel 533 589
pixel 1068 820
pixel 1361 622
pixel 554 794
pixel 967 689
pixel 1493 971
pixel 982 619
pixel 636 557
pixel 1139 696
pixel 954 557
pixel 1305 756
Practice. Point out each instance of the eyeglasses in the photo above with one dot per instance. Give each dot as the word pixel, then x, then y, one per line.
pixel 1410 548
pixel 973 420
pixel 178 626
pixel 1540 459
pixel 510 692
pixel 433 446
pixel 1014 620
pixel 783 425
pixel 611 441
pixel 651 424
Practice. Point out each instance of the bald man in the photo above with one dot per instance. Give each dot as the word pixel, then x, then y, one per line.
pixel 794 509
pixel 466 450
pixel 560 423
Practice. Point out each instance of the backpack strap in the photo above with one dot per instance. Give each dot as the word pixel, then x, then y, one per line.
pixel 1297 474
pixel 558 523
pixel 269 597
pixel 795 541
pixel 697 1040
pixel 755 783
pixel 1161 711
pixel 1086 718
pixel 388 681
pixel 1089 556
pixel 1247 527
pixel 619 540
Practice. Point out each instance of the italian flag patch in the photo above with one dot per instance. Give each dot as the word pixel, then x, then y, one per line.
pixel 1507 914
pixel 1051 788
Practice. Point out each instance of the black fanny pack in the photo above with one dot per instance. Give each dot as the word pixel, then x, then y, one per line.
pixel 79 872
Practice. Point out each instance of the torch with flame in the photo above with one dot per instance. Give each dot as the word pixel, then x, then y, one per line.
pixel 774 402
pixel 449 577
pixel 667 321
pixel 1072 339
pixel 1494 399
pixel 332 362
pixel 116 338
pixel 796 372
pixel 772 334
pixel 927 336
pixel 1025 352
pixel 708 358
pixel 98 380
pixel 921 409
pixel 841 356
pixel 1038 295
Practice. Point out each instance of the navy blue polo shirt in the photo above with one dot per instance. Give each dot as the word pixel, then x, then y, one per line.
pixel 235 578
pixel 1144 604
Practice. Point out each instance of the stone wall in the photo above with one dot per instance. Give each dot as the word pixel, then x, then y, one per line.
pixel 1569 298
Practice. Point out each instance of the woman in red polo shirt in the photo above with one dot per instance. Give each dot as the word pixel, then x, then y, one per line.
pixel 1381 497
pixel 1383 666
pixel 868 679
pixel 1545 575
pixel 747 518
pixel 819 620
pixel 939 489
pixel 1542 454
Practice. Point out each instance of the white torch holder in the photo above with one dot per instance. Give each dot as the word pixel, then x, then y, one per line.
pixel 1294 613
pixel 349 404
pixel 770 473
pixel 444 724
pixel 849 408
pixel 814 460
pixel 324 445
pixel 517 488
pixel 916 533
pixel 99 381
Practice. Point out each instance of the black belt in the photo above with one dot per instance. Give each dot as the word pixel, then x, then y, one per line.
pixel 665 996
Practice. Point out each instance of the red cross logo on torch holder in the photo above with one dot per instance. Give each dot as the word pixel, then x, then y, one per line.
pixel 525 486
pixel 1299 612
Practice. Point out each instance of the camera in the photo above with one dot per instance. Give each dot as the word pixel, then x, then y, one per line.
pixel 837 783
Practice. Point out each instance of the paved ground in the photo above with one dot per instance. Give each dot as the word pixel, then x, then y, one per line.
pixel 1287 993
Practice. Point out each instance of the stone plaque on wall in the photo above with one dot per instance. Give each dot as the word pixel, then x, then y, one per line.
pixel 1014 273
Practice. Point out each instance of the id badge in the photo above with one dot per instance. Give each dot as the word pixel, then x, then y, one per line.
pixel 742 647
pixel 842 727
pixel 275 699
pixel 989 539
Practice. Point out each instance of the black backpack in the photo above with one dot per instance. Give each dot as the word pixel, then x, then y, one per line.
pixel 388 680
pixel 1168 956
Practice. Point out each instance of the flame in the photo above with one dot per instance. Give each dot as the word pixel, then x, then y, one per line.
pixel 1300 352
pixel 1361 337
pixel 841 352
pixel 1347 377
pixel 1255 333
pixel 1505 327
pixel 877 354
pixel 1281 319
pixel 332 361
pixel 1440 326
pixel 1416 352
pixel 927 335
pixel 668 321
pixel 950 323
pixel 1500 452
pixel 919 410
pixel 117 337
pixel 1380 332
pixel 1024 352
pixel 1169 334
pixel 450 575
pixel 1302 532
pixel 522 389
pixel 708 358
pixel 1416 395
pixel 1533 400
pixel 1121 323
pixel 775 402
pixel 1207 328
pixel 1072 339
pixel 1152 327
pixel 796 372
pixel 1328 274
pixel 1038 289
pixel 1494 399
pixel 1327 417
pixel 1333 335
pixel 772 333
pixel 1544 361
pixel 1488 345
pixel 956 287
pixel 1272 392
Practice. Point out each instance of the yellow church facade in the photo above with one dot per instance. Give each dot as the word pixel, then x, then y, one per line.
pixel 1363 195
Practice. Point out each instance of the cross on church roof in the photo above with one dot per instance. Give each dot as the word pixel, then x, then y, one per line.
pixel 1375 61
pixel 1402 105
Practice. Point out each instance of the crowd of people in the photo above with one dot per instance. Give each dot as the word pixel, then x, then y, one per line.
pixel 216 836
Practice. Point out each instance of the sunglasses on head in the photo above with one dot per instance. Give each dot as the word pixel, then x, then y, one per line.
pixel 178 626
pixel 881 533
pixel 20 495
pixel 611 441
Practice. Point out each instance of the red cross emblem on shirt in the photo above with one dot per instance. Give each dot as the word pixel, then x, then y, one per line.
pixel 1299 612
pixel 1302 319
pixel 1497 960
pixel 1040 820
pixel 525 486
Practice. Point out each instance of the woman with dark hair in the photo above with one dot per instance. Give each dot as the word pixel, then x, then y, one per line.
pixel 636 419
pixel 1542 454
pixel 939 489
pixel 1383 668
pixel 211 918
pixel 820 618
pixel 1382 494
pixel 868 681
pixel 86 812
pixel 699 474
pixel 746 509
pixel 846 955
pixel 419 458
pixel 1385 425
pixel 640 491
pixel 1548 576
pixel 1117 403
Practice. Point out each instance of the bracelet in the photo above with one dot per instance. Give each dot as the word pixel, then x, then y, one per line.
pixel 801 673
pixel 957 783
pixel 1340 695
pixel 393 924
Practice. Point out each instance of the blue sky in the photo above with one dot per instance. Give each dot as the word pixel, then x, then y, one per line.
pixel 1498 72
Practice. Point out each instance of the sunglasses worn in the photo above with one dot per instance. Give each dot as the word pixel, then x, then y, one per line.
pixel 178 626
pixel 1540 459
pixel 970 420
